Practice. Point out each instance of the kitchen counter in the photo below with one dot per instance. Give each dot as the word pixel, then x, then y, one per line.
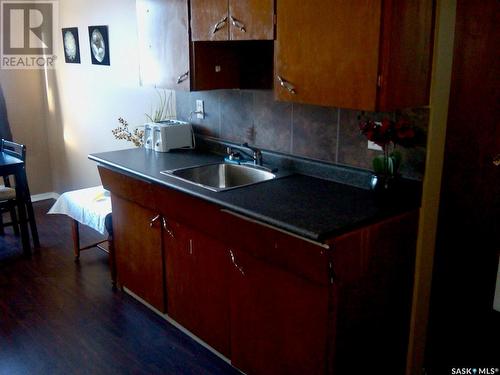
pixel 309 207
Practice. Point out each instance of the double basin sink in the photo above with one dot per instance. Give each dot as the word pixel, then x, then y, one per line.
pixel 223 176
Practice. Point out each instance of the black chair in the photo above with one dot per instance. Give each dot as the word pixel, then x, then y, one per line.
pixel 8 204
pixel 9 201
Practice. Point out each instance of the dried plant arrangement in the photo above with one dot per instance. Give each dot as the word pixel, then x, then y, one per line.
pixel 123 132
pixel 163 111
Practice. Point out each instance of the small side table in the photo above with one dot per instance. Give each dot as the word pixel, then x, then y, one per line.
pixel 90 207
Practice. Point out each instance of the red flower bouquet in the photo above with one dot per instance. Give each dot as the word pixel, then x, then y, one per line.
pixel 388 135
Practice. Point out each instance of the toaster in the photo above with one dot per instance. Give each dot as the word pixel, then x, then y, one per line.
pixel 168 135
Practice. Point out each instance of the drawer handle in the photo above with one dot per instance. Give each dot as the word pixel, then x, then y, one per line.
pixel 238 24
pixel 233 259
pixel 219 25
pixel 166 228
pixel 154 220
pixel 182 77
pixel 287 85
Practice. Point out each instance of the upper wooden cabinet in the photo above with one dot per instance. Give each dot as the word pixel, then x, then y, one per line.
pixel 169 60
pixel 371 55
pixel 251 19
pixel 218 20
pixel 209 20
pixel 164 43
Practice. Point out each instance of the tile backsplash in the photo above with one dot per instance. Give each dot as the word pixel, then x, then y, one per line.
pixel 320 133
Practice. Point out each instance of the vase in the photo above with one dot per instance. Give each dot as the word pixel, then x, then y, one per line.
pixel 382 182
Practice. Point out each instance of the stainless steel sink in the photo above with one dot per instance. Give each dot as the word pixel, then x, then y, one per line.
pixel 222 176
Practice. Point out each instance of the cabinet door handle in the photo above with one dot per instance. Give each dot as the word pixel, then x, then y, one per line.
pixel 154 220
pixel 182 77
pixel 233 259
pixel 238 24
pixel 219 25
pixel 496 160
pixel 166 228
pixel 287 85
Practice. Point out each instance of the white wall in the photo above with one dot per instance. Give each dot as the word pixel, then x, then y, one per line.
pixel 84 101
pixel 25 103
pixel 64 114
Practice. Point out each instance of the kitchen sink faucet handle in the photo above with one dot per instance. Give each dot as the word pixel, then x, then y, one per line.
pixel 257 154
pixel 232 155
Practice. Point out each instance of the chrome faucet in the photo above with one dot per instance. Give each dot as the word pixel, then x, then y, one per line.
pixel 255 157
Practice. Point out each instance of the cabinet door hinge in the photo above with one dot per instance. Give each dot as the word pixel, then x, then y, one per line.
pixel 379 80
pixel 275 19
pixel 331 273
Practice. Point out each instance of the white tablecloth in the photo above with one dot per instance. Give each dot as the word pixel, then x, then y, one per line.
pixel 87 206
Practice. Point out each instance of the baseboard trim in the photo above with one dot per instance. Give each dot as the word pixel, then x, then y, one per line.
pixel 179 327
pixel 44 196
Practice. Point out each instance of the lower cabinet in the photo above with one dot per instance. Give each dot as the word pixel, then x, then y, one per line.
pixel 270 302
pixel 138 251
pixel 197 284
pixel 373 269
pixel 279 321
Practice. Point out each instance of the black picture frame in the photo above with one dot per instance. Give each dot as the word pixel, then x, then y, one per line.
pixel 99 45
pixel 71 52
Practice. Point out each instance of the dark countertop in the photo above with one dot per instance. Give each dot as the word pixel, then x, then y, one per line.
pixel 310 207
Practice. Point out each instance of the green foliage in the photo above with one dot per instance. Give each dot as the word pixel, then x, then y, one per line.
pixel 387 164
pixel 378 164
pixel 163 111
pixel 396 161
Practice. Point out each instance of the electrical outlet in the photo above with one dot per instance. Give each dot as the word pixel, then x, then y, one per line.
pixel 374 146
pixel 200 111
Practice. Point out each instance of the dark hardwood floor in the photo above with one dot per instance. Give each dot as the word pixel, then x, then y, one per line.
pixel 59 317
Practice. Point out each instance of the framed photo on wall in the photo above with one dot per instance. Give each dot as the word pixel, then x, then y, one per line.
pixel 71 45
pixel 99 45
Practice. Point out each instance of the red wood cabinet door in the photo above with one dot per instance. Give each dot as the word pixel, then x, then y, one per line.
pixel 406 61
pixel 251 19
pixel 328 51
pixel 374 269
pixel 197 284
pixel 163 32
pixel 138 253
pixel 209 20
pixel 279 321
